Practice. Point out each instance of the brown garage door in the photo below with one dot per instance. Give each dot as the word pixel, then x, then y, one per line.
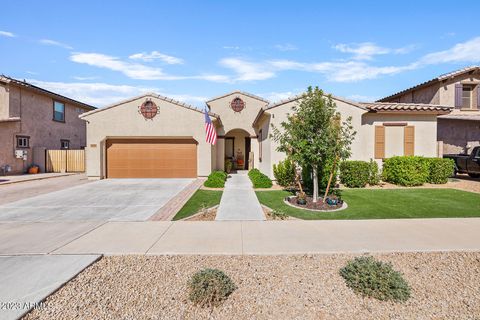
pixel 151 158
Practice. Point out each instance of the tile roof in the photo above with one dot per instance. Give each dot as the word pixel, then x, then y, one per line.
pixel 299 96
pixel 153 95
pixel 394 106
pixel 462 116
pixel 431 81
pixel 238 92
pixel 6 79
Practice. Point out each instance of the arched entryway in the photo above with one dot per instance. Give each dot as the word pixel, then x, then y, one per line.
pixel 237 148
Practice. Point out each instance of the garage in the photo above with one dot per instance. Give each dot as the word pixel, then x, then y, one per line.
pixel 151 158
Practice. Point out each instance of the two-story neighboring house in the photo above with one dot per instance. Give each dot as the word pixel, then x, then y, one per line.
pixel 459 131
pixel 33 119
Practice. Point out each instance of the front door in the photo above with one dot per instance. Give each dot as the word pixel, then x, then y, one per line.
pixel 247 152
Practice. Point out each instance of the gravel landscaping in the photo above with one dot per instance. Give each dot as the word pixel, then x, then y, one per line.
pixel 443 286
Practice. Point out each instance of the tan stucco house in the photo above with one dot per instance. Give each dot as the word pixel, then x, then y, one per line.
pixel 32 120
pixel 154 136
pixel 459 131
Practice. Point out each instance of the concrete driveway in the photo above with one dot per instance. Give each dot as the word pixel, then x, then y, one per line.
pixel 104 200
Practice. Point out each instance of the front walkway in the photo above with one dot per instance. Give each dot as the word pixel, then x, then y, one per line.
pixel 239 201
pixel 241 237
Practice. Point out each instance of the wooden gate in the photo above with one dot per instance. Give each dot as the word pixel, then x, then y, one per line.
pixel 65 160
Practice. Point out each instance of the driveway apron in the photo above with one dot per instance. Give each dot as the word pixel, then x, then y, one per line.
pixel 239 201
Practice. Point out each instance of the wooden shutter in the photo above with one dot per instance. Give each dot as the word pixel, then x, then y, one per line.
pixel 409 141
pixel 379 142
pixel 458 95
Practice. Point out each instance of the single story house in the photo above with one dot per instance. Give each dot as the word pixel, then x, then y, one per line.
pixel 154 136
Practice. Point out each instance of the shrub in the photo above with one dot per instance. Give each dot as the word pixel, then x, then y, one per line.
pixel 406 170
pixel 374 175
pixel 210 287
pixel 355 174
pixel 259 180
pixel 284 173
pixel 376 279
pixel 216 179
pixel 278 214
pixel 440 170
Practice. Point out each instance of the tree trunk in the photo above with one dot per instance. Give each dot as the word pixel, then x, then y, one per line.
pixel 330 179
pixel 315 183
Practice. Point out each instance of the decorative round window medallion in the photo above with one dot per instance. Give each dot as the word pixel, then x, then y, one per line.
pixel 237 104
pixel 148 109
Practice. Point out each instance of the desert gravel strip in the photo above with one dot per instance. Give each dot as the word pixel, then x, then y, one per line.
pixel 444 286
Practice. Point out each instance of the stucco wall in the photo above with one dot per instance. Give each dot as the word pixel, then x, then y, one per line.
pixel 124 121
pixel 279 114
pixel 36 113
pixel 458 134
pixel 231 121
pixel 425 132
pixel 236 120
pixel 364 124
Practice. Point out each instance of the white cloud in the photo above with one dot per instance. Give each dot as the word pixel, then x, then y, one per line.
pixel 95 93
pixel 136 70
pixel 468 51
pixel 286 47
pixel 348 71
pixel 50 42
pixel 362 98
pixel 366 50
pixel 231 47
pixel 246 70
pixel 277 96
pixel 7 34
pixel 102 94
pixel 131 70
pixel 84 78
pixel 155 55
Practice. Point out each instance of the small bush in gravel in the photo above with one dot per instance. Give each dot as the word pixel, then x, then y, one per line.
pixel 216 179
pixel 376 279
pixel 277 214
pixel 259 180
pixel 210 287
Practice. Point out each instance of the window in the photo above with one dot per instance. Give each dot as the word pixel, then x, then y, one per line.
pixel 260 145
pixel 467 96
pixel 64 144
pixel 23 142
pixel 58 111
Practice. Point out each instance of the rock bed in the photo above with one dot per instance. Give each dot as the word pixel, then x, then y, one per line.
pixel 444 286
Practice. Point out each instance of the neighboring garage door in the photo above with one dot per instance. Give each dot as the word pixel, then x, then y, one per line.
pixel 151 158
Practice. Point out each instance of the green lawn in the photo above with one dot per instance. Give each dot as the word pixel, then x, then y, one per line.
pixel 386 204
pixel 200 199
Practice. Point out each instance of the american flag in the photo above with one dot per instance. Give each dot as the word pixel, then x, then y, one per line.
pixel 211 134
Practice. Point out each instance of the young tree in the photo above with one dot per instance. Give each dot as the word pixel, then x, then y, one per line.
pixel 313 133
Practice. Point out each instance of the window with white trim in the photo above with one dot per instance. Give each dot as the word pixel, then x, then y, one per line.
pixel 64 144
pixel 23 142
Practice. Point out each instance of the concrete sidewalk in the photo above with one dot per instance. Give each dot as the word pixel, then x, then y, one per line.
pixel 27 280
pixel 32 177
pixel 239 202
pixel 244 237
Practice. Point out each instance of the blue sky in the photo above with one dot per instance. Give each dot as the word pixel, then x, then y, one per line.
pixel 100 52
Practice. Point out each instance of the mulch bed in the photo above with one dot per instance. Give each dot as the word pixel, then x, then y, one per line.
pixel 319 205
